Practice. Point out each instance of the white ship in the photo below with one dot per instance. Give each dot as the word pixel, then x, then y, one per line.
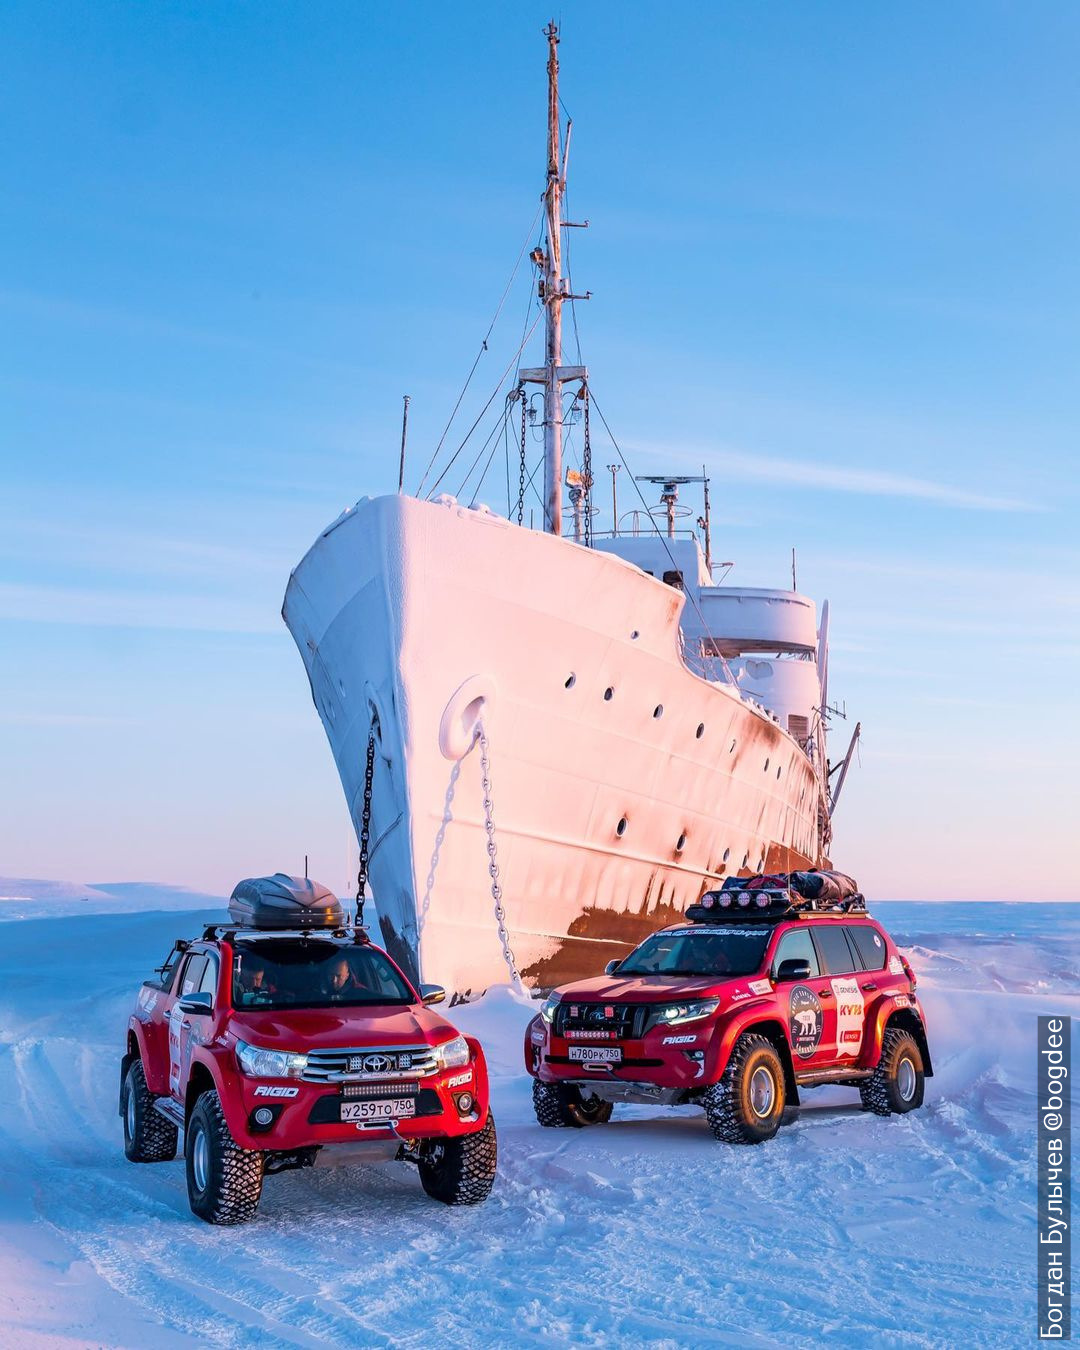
pixel 647 732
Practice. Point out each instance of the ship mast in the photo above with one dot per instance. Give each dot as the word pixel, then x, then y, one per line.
pixel 552 294
pixel 552 375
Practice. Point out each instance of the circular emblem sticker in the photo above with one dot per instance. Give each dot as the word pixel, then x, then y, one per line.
pixel 806 1021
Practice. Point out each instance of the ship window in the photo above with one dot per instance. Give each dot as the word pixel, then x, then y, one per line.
pixel 620 829
pixel 570 681
pixel 779 770
pixel 700 730
pixel 727 854
pixel 609 694
pixel 634 635
pixel 680 843
pixel 674 579
pixel 745 860
pixel 658 711
pixel 731 748
pixel 766 770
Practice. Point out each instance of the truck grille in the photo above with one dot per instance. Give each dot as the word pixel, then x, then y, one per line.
pixel 615 1021
pixel 366 1064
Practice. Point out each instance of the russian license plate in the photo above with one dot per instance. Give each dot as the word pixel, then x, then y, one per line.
pixel 596 1054
pixel 393 1108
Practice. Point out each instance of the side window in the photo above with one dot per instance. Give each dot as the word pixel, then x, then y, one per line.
pixel 870 945
pixel 796 946
pixel 191 975
pixel 832 945
pixel 209 982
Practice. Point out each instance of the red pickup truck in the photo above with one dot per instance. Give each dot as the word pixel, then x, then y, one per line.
pixel 285 1035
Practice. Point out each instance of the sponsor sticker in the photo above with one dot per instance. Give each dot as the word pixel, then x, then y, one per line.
pixel 902 1000
pixel 806 1021
pixel 265 1090
pixel 760 986
pixel 459 1078
pixel 678 1040
pixel 896 966
pixel 850 1015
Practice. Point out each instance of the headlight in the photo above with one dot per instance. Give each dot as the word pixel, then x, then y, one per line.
pixel 675 1013
pixel 259 1063
pixel 453 1054
pixel 547 1012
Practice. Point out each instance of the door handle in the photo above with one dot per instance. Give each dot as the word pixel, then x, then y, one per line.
pixel 870 986
pixel 824 993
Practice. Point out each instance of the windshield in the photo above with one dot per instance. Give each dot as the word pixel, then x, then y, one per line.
pixel 699 951
pixel 286 973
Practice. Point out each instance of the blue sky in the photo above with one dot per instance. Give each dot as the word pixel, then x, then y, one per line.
pixel 833 255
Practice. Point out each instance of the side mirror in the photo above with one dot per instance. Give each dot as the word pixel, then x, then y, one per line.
pixel 797 968
pixel 432 993
pixel 197 1005
pixel 612 967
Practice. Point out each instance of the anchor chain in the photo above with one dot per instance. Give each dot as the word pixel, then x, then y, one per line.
pixel 521 464
pixel 493 860
pixel 365 827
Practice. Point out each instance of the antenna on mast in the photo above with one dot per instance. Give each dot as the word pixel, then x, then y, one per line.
pixel 552 290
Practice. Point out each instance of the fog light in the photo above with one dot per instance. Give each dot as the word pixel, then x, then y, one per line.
pixel 264 1116
pixel 464 1103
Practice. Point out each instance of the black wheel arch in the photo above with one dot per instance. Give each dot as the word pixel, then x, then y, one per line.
pixel 773 1031
pixel 907 1019
pixel 130 1056
pixel 200 1081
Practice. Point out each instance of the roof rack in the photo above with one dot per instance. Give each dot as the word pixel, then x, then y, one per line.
pixel 780 895
pixel 230 932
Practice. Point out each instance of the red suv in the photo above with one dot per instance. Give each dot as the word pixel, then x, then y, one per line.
pixel 285 1035
pixel 773 985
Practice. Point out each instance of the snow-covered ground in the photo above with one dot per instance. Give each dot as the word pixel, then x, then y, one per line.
pixel 846 1229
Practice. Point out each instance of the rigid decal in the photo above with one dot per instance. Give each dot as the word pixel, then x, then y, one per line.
pixel 850 1016
pixel 459 1078
pixel 760 986
pixel 264 1090
pixel 678 1040
pixel 806 1022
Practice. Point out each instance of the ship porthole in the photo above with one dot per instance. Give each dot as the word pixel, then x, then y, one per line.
pixel 634 635
pixel 766 769
pixel 727 855
pixel 680 843
pixel 700 730
pixel 658 711
pixel 620 829
pixel 731 747
pixel 779 770
pixel 609 694
pixel 746 860
pixel 570 681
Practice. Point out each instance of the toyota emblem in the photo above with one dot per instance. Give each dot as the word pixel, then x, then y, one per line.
pixel 378 1063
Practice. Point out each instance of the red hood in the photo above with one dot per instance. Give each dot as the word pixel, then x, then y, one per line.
pixel 340 1028
pixel 647 988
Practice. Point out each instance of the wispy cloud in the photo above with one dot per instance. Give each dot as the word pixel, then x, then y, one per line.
pixel 124 609
pixel 838 478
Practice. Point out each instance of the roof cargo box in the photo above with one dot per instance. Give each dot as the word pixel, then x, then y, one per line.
pixel 284 902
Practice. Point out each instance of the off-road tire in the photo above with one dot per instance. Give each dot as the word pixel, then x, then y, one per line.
pixel 233 1177
pixel 884 1091
pixel 562 1104
pixel 461 1171
pixel 730 1104
pixel 148 1136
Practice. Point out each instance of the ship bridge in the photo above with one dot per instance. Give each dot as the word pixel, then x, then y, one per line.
pixel 767 639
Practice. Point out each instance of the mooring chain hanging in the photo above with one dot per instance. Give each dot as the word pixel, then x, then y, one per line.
pixel 521 466
pixel 493 861
pixel 365 827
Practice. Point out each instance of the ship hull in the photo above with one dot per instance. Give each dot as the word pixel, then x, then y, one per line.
pixel 622 784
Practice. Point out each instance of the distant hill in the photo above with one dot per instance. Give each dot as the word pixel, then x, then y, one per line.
pixel 35 898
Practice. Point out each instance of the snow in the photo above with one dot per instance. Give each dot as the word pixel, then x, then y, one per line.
pixel 914 1231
